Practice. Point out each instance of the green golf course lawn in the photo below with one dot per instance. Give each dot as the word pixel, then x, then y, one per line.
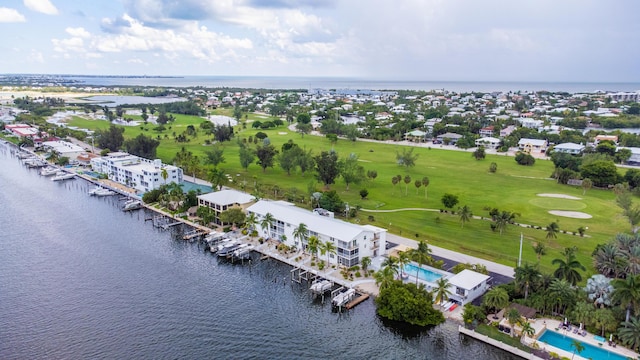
pixel 512 188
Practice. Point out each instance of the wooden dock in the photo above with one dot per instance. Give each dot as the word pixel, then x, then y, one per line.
pixel 193 234
pixel 357 301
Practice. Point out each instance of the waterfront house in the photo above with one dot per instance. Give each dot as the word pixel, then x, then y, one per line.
pixel 533 145
pixel 569 148
pixel 64 149
pixel 488 142
pixel 612 138
pixel 136 172
pixel 467 285
pixel 449 138
pixel 486 131
pixel 415 136
pixel 351 241
pixel 507 131
pixel 223 200
pixel 635 155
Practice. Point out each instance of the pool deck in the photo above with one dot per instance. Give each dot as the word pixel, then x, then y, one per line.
pixel 540 325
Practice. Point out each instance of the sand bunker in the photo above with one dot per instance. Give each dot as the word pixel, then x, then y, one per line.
pixel 561 196
pixel 570 214
pixel 282 133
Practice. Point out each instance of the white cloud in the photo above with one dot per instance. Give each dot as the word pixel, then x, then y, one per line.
pixel 74 44
pixel 35 57
pixel 41 6
pixel 78 32
pixel 8 15
pixel 189 41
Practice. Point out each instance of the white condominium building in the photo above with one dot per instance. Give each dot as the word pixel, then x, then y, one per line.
pixel 352 242
pixel 136 172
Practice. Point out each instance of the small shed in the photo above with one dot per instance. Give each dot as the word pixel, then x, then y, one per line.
pixel 525 311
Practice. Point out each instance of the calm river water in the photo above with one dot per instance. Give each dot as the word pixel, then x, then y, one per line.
pixel 79 279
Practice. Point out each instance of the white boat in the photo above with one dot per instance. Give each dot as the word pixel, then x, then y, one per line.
pixel 343 298
pixel 132 204
pixel 35 163
pixel 228 249
pixel 62 175
pixel 214 237
pixel 321 286
pixel 223 248
pixel 48 171
pixel 242 251
pixel 100 191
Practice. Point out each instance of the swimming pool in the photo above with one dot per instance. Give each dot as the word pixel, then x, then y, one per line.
pixel 590 352
pixel 423 273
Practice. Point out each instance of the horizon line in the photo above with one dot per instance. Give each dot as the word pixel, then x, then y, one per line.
pixel 400 79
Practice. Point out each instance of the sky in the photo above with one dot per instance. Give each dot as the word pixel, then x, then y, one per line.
pixel 422 40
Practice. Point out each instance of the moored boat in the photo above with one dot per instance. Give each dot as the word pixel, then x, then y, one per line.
pixel 48 171
pixel 228 248
pixel 132 204
pixel 63 175
pixel 100 191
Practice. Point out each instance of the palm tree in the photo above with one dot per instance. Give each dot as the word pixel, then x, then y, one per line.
pixel 627 293
pixel 496 298
pixel 629 333
pixel 568 268
pixel 609 260
pixel 392 263
pixel 465 215
pixel 527 329
pixel 442 290
pixel 425 183
pixel 403 260
pixel 513 317
pixel 384 277
pixel 577 348
pixel 217 178
pixel 503 219
pixel 365 262
pixel 421 255
pixel 312 244
pixel 552 230
pixel 301 233
pixel 267 223
pixel 164 175
pixel 526 277
pixel 251 221
pixel 327 248
pixel 582 312
pixel 540 250
pixel 561 294
pixel 604 319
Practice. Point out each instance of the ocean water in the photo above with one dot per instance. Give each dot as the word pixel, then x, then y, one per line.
pixel 80 279
pixel 326 83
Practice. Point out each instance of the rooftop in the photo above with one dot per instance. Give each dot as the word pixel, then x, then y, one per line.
pixel 227 197
pixel 320 224
pixel 468 279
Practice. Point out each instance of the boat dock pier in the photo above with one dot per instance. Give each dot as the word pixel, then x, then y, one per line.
pixel 193 234
pixel 360 298
pixel 319 282
pixel 164 222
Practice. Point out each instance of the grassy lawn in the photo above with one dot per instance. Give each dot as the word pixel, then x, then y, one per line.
pixel 512 188
pixel 496 334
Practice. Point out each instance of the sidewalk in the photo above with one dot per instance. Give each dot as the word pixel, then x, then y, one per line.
pixel 455 256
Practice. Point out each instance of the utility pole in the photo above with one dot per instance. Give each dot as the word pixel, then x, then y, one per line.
pixel 520 255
